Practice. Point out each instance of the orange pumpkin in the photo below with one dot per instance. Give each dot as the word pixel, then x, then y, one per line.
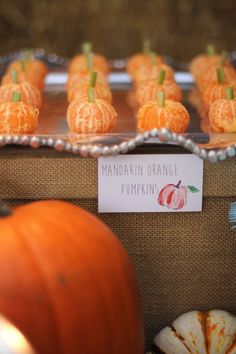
pixel 151 71
pixel 31 65
pixel 66 281
pixel 163 114
pixel 143 58
pixel 217 89
pixel 147 90
pixel 80 91
pixel 30 95
pixel 91 115
pixel 17 117
pixel 222 113
pixel 79 61
pixel 200 63
pixel 24 75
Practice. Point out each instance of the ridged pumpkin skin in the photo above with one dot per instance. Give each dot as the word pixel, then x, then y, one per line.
pixel 67 283
pixel 213 332
pixel 202 62
pixel 29 93
pixel 34 65
pixel 215 91
pixel 222 116
pixel 147 91
pixel 151 72
pixel 18 118
pixel 83 76
pixel 173 116
pixel 138 60
pixel 210 76
pixel 89 118
pixel 28 76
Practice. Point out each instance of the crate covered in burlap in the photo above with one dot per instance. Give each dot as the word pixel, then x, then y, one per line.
pixel 184 261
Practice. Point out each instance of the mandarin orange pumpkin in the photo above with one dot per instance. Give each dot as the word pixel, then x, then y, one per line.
pixel 143 58
pixel 31 65
pixel 151 71
pixel 80 91
pixel 79 61
pixel 147 90
pixel 217 89
pixel 222 113
pixel 17 117
pixel 163 113
pixel 24 75
pixel 201 62
pixel 66 282
pixel 91 115
pixel 29 93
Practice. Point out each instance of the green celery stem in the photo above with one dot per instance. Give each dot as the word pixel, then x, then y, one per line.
pixel 223 58
pixel 161 77
pixel 89 60
pixel 16 97
pixel 220 75
pixel 161 99
pixel 91 95
pixel 210 50
pixel 153 58
pixel 93 79
pixel 22 65
pixel 86 48
pixel 14 76
pixel 146 46
pixel 230 93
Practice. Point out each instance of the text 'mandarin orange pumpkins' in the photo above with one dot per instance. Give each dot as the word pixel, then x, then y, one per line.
pixel 66 282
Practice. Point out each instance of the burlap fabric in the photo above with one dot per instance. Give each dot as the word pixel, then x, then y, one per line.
pixel 184 261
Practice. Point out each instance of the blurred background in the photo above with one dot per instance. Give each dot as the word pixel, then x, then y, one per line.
pixel 116 27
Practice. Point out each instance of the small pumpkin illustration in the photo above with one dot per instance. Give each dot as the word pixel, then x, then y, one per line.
pixel 80 91
pixel 147 90
pixel 199 332
pixel 17 117
pixel 222 113
pixel 173 196
pixel 216 90
pixel 29 93
pixel 91 115
pixel 163 113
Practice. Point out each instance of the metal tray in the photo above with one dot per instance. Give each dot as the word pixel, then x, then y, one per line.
pixel 53 131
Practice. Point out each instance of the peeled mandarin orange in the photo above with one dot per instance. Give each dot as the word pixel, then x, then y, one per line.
pixel 216 90
pixel 29 94
pixel 222 113
pixel 80 91
pixel 199 63
pixel 17 117
pixel 91 115
pixel 147 90
pixel 34 65
pixel 151 72
pixel 163 113
pixel 24 76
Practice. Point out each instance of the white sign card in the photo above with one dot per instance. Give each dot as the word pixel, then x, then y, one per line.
pixel 150 183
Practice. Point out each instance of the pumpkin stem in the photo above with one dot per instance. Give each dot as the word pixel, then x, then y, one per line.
pixel 22 64
pixel 16 96
pixel 89 57
pixel 224 57
pixel 220 75
pixel 91 95
pixel 229 93
pixel 161 77
pixel 14 77
pixel 93 79
pixel 4 210
pixel 146 46
pixel 178 184
pixel 161 99
pixel 27 54
pixel 153 58
pixel 86 48
pixel 210 49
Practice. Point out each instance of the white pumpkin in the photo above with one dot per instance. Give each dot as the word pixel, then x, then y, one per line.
pixel 195 332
